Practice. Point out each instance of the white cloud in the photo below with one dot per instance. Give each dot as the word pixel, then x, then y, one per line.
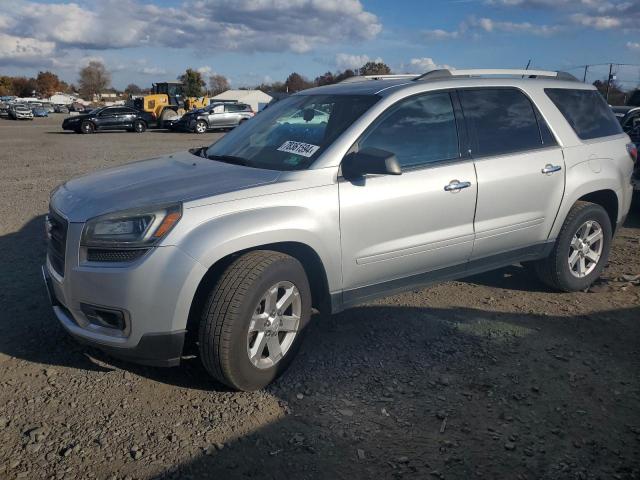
pixel 595 21
pixel 224 25
pixel 439 34
pixel 346 61
pixel 153 71
pixel 24 50
pixel 633 46
pixel 422 65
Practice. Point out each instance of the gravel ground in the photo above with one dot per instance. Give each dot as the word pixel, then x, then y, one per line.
pixel 492 377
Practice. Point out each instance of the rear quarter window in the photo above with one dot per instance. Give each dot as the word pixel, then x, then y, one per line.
pixel 586 111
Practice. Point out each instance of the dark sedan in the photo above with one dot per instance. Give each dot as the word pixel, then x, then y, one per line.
pixel 109 118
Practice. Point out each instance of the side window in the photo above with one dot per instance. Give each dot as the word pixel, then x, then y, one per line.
pixel 233 107
pixel 107 112
pixel 418 130
pixel 586 111
pixel 500 120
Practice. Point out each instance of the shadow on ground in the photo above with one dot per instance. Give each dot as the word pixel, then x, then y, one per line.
pixel 386 391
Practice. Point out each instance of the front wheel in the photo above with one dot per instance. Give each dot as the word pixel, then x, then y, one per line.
pixel 254 319
pixel 581 250
pixel 201 126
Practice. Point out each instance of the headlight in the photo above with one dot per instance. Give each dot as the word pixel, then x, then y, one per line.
pixel 132 228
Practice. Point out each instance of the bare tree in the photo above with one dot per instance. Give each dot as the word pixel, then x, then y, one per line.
pixel 94 78
pixel 218 84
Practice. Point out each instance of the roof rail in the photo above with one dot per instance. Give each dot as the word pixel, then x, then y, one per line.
pixel 363 78
pixel 445 73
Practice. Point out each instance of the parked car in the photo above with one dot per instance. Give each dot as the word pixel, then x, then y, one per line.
pixel 40 111
pixel 216 115
pixel 61 109
pixel 4 110
pixel 412 180
pixel 631 125
pixel 109 118
pixel 19 111
pixel 50 108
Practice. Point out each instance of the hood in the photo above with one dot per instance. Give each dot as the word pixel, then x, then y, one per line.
pixel 174 178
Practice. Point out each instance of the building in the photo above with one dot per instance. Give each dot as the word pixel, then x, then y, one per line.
pixel 256 98
pixel 62 99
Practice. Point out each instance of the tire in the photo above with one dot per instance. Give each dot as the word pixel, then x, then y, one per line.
pixel 87 128
pixel 555 270
pixel 201 127
pixel 166 115
pixel 236 302
pixel 139 126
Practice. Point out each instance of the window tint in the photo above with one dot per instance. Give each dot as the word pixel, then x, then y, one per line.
pixel 586 111
pixel 501 120
pixel 547 137
pixel 418 130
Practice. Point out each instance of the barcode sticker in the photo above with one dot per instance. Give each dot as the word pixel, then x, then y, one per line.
pixel 299 148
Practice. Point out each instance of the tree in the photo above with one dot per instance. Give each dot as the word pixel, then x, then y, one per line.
pixel 6 85
pixel 374 68
pixel 296 82
pixel 325 79
pixel 47 83
pixel 617 96
pixel 218 84
pixel 193 83
pixel 94 78
pixel 133 89
pixel 24 87
pixel 344 75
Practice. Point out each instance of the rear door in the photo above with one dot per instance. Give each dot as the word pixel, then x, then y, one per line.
pixel 394 227
pixel 519 166
pixel 216 116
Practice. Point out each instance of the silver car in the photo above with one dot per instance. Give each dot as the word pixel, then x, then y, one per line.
pixel 215 115
pixel 409 181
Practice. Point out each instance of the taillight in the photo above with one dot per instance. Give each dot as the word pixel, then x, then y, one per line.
pixel 632 148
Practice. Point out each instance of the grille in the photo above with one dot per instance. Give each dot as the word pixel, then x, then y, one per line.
pixel 106 255
pixel 57 235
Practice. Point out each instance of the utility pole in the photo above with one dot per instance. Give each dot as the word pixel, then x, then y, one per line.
pixel 584 79
pixel 609 81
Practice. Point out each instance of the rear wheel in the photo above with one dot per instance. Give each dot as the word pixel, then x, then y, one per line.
pixel 581 250
pixel 201 127
pixel 87 127
pixel 254 319
pixel 139 126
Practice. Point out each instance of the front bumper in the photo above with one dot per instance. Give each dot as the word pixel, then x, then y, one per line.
pixel 154 349
pixel 154 293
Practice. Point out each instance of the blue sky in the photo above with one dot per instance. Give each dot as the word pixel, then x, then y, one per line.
pixel 251 41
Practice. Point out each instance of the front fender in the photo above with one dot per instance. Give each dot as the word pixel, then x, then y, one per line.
pixel 223 235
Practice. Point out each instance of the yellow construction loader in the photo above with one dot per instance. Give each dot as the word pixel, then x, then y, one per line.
pixel 167 103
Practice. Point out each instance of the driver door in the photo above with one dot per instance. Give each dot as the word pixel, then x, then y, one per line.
pixel 397 228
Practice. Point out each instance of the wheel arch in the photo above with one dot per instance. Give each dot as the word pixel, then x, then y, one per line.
pixel 306 255
pixel 608 200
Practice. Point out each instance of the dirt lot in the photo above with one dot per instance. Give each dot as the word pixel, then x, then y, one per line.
pixel 491 377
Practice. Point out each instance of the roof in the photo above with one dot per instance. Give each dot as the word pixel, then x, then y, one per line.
pixel 438 79
pixel 240 94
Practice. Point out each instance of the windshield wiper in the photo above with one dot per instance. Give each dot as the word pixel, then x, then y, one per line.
pixel 229 159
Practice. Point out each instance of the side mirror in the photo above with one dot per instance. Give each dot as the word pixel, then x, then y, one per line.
pixel 370 160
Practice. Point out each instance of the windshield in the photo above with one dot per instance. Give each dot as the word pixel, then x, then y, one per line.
pixel 292 133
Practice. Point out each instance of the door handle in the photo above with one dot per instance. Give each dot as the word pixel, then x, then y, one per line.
pixel 548 168
pixel 456 185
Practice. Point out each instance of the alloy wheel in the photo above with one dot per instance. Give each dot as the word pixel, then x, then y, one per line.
pixel 585 249
pixel 274 325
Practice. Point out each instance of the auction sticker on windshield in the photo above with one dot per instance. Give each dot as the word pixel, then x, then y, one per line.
pixel 299 148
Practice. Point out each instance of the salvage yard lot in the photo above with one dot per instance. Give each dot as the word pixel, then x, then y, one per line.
pixel 492 377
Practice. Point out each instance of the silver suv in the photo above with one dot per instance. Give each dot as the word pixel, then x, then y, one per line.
pixel 215 115
pixel 384 185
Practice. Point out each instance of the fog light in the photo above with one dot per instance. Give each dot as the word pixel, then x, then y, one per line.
pixel 103 317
